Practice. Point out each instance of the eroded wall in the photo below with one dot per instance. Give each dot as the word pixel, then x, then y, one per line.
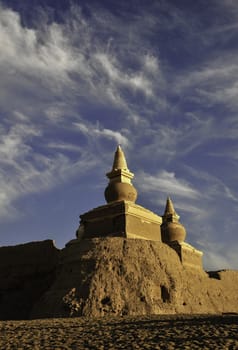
pixel 108 276
pixel 26 272
pixel 118 276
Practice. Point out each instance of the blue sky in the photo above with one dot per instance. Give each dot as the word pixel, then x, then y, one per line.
pixel 157 77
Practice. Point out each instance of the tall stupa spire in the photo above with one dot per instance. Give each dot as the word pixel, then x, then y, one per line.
pixel 120 186
pixel 119 160
pixel 170 213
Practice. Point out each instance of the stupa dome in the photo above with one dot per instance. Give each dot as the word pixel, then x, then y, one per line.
pixel 119 191
pixel 173 231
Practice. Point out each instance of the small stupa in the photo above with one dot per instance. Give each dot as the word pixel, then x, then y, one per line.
pixel 174 233
pixel 171 229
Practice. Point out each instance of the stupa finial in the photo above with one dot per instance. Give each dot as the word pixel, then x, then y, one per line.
pixel 119 160
pixel 170 211
pixel 120 186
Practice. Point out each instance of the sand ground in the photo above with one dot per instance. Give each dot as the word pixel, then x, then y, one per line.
pixel 155 332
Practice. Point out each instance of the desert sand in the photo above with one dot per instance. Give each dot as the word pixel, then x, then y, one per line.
pixel 154 332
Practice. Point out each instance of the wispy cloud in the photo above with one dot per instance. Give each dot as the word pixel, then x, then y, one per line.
pixel 64 146
pixel 166 182
pixel 72 89
pixel 39 173
pixel 214 82
pixel 212 186
pixel 95 131
pixel 25 171
pixel 219 255
pixel 46 59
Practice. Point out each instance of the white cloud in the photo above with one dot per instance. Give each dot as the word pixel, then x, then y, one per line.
pixel 13 145
pixel 57 78
pixel 24 171
pixel 218 255
pixel 230 153
pixel 213 82
pixel 44 71
pixel 172 138
pixel 95 131
pixel 166 182
pixel 38 174
pixel 114 135
pixel 28 52
pixel 151 65
pixel 216 261
pixel 7 196
pixel 211 186
pixel 64 146
pixel 70 61
pixel 118 78
pixel 195 210
pixel 229 194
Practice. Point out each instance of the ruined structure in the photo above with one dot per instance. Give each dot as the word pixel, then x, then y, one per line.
pixel 125 260
pixel 122 217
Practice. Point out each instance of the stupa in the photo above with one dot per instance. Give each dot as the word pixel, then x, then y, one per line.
pixel 174 233
pixel 171 228
pixel 121 216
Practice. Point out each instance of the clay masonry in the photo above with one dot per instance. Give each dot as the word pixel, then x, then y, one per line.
pixel 125 260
